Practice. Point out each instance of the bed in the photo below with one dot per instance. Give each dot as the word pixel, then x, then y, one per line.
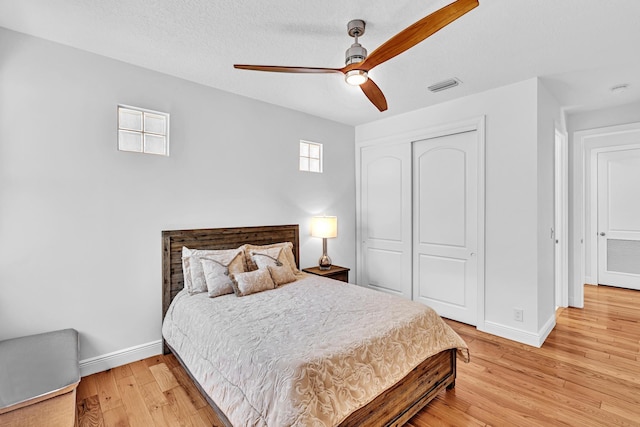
pixel 269 380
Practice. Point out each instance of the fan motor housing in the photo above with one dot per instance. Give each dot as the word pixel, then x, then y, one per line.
pixel 356 53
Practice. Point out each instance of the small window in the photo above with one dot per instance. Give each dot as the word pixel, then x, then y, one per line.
pixel 143 131
pixel 310 156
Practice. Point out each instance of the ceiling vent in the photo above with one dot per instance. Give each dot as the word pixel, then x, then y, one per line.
pixel 444 85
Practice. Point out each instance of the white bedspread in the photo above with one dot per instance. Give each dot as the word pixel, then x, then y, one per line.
pixel 306 354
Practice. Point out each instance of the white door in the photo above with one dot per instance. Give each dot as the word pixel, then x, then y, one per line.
pixel 619 218
pixel 385 218
pixel 445 211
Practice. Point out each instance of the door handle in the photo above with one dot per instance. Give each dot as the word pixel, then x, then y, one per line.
pixel 602 233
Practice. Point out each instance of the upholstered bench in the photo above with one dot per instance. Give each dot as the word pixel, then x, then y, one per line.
pixel 38 379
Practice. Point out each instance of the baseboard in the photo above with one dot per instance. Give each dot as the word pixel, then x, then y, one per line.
pixel 546 329
pixel 119 358
pixel 575 302
pixel 524 337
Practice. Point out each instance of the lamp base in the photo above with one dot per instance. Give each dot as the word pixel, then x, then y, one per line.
pixel 325 262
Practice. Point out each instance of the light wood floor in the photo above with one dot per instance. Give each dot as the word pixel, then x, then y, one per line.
pixel 586 374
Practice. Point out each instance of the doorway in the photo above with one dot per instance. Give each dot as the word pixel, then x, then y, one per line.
pixel 584 200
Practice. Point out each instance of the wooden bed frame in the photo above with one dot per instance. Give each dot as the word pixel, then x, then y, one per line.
pixel 394 407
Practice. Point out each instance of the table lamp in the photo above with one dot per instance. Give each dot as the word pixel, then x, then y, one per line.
pixel 327 228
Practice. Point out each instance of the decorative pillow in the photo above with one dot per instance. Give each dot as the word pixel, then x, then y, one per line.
pixel 193 273
pixel 216 275
pixel 276 263
pixel 251 282
pixel 286 256
pixel 264 257
pixel 281 275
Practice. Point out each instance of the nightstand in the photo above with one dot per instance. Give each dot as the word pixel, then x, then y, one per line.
pixel 335 272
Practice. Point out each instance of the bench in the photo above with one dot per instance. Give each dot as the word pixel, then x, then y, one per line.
pixel 38 379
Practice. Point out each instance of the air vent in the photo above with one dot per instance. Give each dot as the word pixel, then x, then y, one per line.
pixel 444 85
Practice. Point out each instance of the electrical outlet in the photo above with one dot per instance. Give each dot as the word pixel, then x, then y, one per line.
pixel 517 314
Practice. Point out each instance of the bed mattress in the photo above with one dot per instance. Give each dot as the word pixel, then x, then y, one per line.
pixel 305 354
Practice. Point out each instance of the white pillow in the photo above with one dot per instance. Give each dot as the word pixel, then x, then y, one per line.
pixel 264 257
pixel 216 275
pixel 286 254
pixel 193 273
pixel 251 282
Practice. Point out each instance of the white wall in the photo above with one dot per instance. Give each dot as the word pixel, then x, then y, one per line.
pixel 549 117
pixel 80 222
pixel 515 263
pixel 612 116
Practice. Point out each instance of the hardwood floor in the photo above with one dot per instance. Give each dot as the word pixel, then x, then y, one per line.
pixel 586 374
pixel 147 393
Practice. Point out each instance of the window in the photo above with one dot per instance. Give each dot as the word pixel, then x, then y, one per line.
pixel 310 156
pixel 143 131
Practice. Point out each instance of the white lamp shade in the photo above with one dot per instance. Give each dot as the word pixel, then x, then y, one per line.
pixel 324 226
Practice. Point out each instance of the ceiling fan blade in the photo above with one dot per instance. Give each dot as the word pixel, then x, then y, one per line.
pixel 374 94
pixel 279 69
pixel 417 32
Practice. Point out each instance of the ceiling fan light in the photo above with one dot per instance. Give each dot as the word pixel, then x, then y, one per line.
pixel 356 77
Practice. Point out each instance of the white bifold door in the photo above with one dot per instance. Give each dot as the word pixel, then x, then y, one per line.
pixel 385 219
pixel 445 224
pixel 619 218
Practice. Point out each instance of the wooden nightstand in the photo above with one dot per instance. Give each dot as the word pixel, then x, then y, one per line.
pixel 335 272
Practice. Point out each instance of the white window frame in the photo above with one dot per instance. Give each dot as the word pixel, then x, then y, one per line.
pixel 306 159
pixel 162 134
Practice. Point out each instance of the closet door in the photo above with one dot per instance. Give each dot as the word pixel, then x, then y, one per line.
pixel 385 218
pixel 445 235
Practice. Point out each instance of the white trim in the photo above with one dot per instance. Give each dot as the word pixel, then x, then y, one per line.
pixel 481 123
pixel 120 357
pixel 546 329
pixel 561 198
pixel 591 212
pixel 524 337
pixel 577 279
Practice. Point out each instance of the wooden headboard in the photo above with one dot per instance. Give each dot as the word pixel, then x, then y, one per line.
pixel 214 238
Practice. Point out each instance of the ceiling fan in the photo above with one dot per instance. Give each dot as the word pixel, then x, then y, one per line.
pixel 358 64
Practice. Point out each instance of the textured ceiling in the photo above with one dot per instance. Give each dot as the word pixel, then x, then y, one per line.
pixel 580 48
